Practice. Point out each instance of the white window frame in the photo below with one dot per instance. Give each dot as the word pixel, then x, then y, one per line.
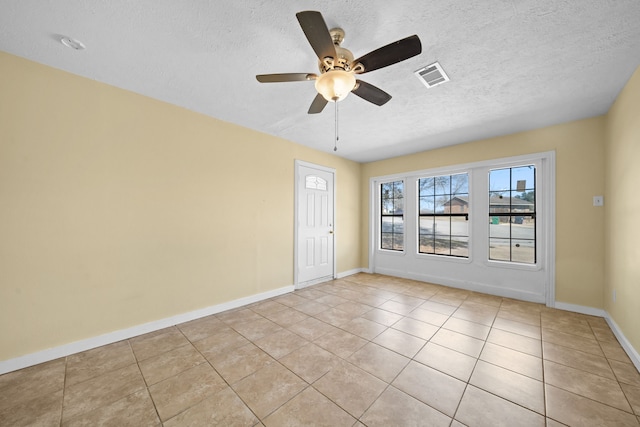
pixel 379 216
pixel 540 203
pixel 478 200
pixel 417 213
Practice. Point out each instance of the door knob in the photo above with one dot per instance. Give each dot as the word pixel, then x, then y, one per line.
pixel 330 231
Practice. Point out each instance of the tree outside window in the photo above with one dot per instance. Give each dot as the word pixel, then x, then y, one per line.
pixel 392 216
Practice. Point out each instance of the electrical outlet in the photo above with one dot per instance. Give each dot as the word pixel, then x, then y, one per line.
pixel 598 200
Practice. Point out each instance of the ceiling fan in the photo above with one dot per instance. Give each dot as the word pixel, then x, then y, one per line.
pixel 338 67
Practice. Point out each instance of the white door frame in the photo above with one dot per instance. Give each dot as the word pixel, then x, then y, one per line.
pixel 296 195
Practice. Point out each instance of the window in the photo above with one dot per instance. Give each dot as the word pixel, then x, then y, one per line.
pixel 486 226
pixel 444 215
pixel 315 183
pixel 392 216
pixel 512 214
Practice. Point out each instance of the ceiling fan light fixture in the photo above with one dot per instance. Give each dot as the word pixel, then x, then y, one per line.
pixel 337 67
pixel 335 85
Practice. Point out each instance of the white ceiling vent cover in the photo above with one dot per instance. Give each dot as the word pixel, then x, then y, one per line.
pixel 432 75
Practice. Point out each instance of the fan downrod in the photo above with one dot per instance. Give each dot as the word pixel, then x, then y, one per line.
pixel 337 35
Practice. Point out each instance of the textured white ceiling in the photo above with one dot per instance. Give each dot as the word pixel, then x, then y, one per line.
pixel 514 65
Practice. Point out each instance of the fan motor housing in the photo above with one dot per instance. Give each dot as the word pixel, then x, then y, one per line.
pixel 344 58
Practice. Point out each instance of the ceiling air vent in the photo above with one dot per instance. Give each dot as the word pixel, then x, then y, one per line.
pixel 432 75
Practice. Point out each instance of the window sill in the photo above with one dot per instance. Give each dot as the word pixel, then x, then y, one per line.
pixel 514 265
pixel 438 258
pixel 391 252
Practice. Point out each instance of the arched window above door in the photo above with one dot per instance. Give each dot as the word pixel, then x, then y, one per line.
pixel 315 183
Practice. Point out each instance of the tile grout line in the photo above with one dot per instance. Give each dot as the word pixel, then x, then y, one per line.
pixel 412 359
pixel 220 375
pixel 345 359
pixel 404 317
pixel 260 420
pixel 614 373
pixel 453 418
pixel 498 396
pixel 64 388
pixel 146 384
pixel 589 372
pixel 544 382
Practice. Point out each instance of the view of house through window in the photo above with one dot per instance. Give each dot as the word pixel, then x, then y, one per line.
pixel 392 216
pixel 444 215
pixel 512 214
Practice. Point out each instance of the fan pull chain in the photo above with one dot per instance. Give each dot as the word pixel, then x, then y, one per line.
pixel 335 145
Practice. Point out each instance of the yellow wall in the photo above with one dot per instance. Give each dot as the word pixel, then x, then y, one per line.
pixel 622 204
pixel 117 209
pixel 579 150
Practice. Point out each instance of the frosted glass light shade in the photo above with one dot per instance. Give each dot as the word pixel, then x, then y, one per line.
pixel 335 85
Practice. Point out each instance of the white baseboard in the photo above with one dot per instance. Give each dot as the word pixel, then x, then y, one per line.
pixel 327 278
pixel 624 342
pixel 123 334
pixel 463 284
pixel 349 273
pixel 598 312
pixel 314 282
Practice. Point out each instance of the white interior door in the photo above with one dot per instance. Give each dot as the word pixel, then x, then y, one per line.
pixel 315 236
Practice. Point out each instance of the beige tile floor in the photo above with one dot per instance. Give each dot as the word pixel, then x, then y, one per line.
pixel 365 350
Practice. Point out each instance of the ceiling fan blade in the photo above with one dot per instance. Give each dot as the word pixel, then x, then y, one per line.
pixel 390 54
pixel 317 105
pixel 285 77
pixel 371 93
pixel 317 33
